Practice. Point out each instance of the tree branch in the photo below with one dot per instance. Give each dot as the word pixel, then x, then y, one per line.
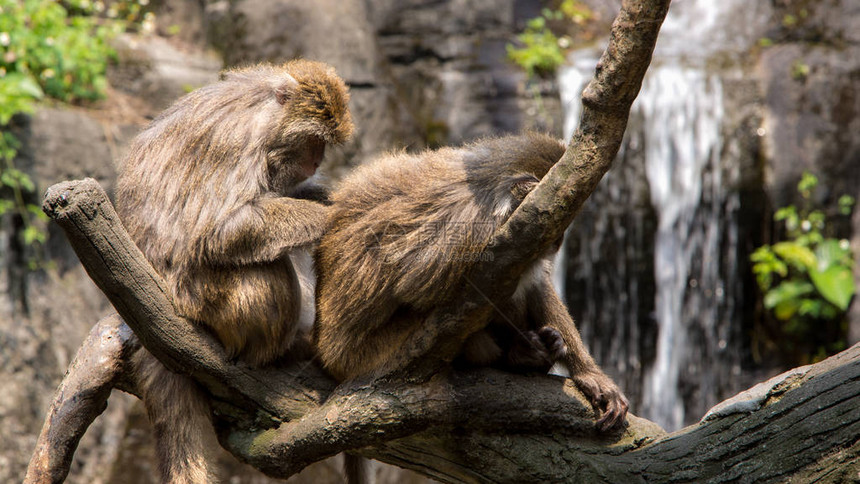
pixel 98 367
pixel 293 427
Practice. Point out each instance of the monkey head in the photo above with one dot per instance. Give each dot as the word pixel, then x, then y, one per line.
pixel 312 111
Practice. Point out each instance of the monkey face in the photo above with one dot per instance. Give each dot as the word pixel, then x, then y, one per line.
pixel 291 165
pixel 310 157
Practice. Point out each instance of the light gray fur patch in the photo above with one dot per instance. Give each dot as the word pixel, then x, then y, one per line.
pixel 532 278
pixel 303 264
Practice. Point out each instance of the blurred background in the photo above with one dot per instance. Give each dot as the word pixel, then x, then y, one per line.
pixel 720 249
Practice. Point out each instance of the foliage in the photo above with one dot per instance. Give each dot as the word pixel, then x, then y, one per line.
pixel 799 70
pixel 56 50
pixel 807 279
pixel 541 52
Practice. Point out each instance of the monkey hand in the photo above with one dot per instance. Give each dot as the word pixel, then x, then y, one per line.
pixel 536 350
pixel 604 396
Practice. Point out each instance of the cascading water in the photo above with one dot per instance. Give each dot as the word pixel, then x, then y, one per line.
pixel 683 110
pixel 671 336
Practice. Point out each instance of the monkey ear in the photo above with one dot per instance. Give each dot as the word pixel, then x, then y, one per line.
pixel 286 89
pixel 523 185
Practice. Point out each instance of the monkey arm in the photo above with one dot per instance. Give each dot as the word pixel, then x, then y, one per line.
pixel 311 191
pixel 547 309
pixel 263 230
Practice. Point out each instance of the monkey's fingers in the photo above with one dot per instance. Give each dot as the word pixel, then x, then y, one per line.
pixel 604 395
pixel 528 353
pixel 615 413
pixel 553 342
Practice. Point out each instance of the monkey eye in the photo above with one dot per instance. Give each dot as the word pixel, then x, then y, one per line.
pixel 522 185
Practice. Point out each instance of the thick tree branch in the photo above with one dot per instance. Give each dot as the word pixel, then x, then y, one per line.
pixel 97 369
pixel 473 428
pixel 291 399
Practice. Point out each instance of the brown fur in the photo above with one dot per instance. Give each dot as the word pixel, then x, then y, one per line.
pixel 403 234
pixel 205 193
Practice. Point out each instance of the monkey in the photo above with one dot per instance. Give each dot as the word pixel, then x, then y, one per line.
pixel 403 233
pixel 209 192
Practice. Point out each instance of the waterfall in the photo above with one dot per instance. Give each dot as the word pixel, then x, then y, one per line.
pixel 683 111
pixel 671 197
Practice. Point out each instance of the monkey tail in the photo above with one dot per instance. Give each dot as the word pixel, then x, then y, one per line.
pixel 179 413
pixel 358 470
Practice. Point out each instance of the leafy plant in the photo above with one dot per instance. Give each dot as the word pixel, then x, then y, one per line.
pixel 541 52
pixel 56 50
pixel 807 279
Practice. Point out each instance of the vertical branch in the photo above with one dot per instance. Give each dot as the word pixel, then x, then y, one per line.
pixel 545 214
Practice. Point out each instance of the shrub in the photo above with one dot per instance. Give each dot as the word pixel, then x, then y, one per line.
pixel 807 279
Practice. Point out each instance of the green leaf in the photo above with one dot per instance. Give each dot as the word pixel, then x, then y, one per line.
pixel 28 86
pixel 32 234
pixel 765 264
pixel 807 183
pixel 785 292
pixel 830 253
pixel 846 203
pixel 811 307
pixel 6 206
pixel 26 183
pixel 836 285
pixel 796 255
pixel 786 309
pixel 785 212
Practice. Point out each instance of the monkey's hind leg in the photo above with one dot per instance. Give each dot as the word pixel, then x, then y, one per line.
pixel 358 470
pixel 179 413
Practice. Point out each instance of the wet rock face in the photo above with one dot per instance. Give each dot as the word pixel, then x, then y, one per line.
pixel 449 59
pixel 45 315
pixel 813 114
pixel 809 80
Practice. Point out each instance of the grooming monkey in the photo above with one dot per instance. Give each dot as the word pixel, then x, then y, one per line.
pixel 208 193
pixel 404 232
